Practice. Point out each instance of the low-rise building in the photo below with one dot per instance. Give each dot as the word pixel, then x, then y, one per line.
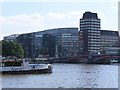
pixel 66 42
pixel 109 41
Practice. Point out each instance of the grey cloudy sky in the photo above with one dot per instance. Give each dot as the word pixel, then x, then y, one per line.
pixel 18 17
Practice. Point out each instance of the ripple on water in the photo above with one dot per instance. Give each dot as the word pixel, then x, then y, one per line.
pixel 67 76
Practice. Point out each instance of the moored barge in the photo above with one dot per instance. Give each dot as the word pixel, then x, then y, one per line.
pixel 23 67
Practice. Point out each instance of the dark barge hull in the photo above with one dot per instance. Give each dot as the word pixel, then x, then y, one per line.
pixel 40 71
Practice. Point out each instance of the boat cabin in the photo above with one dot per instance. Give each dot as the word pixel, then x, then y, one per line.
pixel 7 63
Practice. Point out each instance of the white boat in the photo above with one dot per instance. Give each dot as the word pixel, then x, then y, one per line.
pixel 23 67
pixel 114 61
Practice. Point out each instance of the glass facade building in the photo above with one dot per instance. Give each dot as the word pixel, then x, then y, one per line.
pixel 11 38
pixel 112 51
pixel 25 40
pixel 69 41
pixel 109 41
pixel 66 40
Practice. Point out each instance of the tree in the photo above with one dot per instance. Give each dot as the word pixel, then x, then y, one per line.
pixel 0 48
pixel 12 49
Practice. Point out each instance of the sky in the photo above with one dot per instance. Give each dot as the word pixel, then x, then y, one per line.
pixel 22 16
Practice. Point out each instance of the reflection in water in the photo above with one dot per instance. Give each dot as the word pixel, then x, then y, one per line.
pixel 0 82
pixel 67 76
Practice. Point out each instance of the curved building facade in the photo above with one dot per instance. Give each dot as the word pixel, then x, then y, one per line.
pixel 66 41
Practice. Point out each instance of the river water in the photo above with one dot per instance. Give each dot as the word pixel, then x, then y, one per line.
pixel 67 76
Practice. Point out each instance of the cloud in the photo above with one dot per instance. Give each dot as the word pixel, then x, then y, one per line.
pixel 115 7
pixel 23 19
pixel 60 1
pixel 60 16
pixel 25 23
pixel 75 14
pixel 54 15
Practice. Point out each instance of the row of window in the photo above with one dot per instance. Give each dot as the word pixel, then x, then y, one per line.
pixel 93 51
pixel 97 23
pixel 94 42
pixel 110 37
pixel 68 46
pixel 66 34
pixel 69 36
pixel 69 41
pixel 94 47
pixel 109 40
pixel 90 20
pixel 94 31
pixel 109 45
pixel 97 37
pixel 94 39
pixel 90 28
pixel 38 35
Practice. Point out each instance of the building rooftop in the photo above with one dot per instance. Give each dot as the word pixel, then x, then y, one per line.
pixel 59 30
pixel 90 15
pixel 109 32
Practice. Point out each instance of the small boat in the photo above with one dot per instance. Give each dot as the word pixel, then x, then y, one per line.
pixel 23 67
pixel 114 61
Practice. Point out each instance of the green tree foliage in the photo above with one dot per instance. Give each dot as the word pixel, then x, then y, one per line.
pixel 12 49
pixel 0 48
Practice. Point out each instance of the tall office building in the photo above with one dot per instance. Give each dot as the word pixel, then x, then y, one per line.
pixel 89 33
